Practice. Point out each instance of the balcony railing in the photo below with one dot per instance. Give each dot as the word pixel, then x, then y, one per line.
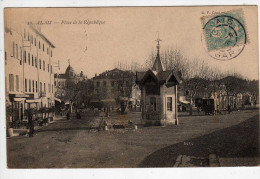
pixel 42 94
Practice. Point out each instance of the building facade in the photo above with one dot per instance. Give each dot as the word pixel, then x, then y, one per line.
pixel 112 85
pixel 72 88
pixel 28 69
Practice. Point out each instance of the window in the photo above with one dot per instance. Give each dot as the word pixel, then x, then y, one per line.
pixel 51 53
pixel 33 85
pixel 21 54
pixel 40 86
pixel 31 39
pixel 42 47
pixel 13 53
pixel 32 61
pixel 52 88
pixel 49 88
pixel 112 83
pixel 28 36
pixel 48 68
pixel 36 64
pixel 11 82
pixel 30 86
pixel 17 83
pixel 24 33
pixel 169 103
pixel 51 69
pixel 36 86
pixel 39 45
pixel 34 41
pixel 55 83
pixel 25 85
pixel 40 63
pixel 98 84
pixel 29 58
pixel 44 87
pixel 153 103
pixel 127 83
pixel 43 65
pixel 24 56
pixel 104 83
pixel 47 50
pixel 16 51
pixel 5 56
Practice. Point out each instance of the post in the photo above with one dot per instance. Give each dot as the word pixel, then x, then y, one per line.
pixel 176 105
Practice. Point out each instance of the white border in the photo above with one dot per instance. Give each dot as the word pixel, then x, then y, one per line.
pixel 239 172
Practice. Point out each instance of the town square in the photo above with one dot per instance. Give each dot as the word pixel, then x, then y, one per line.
pixel 88 88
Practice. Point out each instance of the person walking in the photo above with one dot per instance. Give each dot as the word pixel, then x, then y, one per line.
pixel 30 124
pixel 68 115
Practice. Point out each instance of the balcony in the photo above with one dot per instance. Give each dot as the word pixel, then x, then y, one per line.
pixel 42 94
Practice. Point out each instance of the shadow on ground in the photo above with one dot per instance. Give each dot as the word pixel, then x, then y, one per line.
pixel 238 141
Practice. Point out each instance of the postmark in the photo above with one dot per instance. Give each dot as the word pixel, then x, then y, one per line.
pixel 225 34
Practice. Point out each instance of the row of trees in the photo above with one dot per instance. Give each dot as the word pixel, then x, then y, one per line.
pixel 198 78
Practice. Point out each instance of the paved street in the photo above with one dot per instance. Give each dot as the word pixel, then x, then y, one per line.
pixel 78 143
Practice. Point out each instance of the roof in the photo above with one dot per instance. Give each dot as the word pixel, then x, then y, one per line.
pixel 42 36
pixel 115 74
pixel 161 77
pixel 60 76
pixel 157 66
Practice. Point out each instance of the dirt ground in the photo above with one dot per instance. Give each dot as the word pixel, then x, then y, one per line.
pixel 78 144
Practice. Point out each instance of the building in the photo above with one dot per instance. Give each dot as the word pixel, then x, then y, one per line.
pixel 111 86
pixel 29 74
pixel 158 94
pixel 68 85
pixel 60 81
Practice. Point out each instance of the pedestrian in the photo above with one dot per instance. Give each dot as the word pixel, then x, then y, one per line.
pixel 68 115
pixel 30 124
pixel 229 109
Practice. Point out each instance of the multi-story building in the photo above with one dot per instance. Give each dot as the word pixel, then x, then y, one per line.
pixel 28 69
pixel 79 92
pixel 109 86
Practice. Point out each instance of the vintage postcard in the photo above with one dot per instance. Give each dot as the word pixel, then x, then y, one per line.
pixel 132 87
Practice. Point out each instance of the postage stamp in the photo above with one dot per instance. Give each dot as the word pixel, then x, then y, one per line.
pixel 225 34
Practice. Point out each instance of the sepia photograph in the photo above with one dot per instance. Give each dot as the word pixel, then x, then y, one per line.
pixel 131 87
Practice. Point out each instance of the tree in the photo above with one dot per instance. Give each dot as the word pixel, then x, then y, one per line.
pixel 253 89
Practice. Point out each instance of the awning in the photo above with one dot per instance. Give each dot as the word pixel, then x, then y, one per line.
pixel 183 100
pixel 57 99
pixel 33 100
pixel 108 100
pixel 19 99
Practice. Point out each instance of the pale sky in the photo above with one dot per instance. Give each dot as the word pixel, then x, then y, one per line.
pixel 129 34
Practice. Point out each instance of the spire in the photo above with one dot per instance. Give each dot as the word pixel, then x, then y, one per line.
pixel 157 66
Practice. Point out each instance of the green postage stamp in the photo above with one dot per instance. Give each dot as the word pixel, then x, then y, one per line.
pixel 225 34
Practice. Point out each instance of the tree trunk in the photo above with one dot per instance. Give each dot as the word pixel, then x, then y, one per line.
pixel 71 107
pixel 191 106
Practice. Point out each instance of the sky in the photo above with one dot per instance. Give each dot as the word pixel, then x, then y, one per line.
pixel 128 35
